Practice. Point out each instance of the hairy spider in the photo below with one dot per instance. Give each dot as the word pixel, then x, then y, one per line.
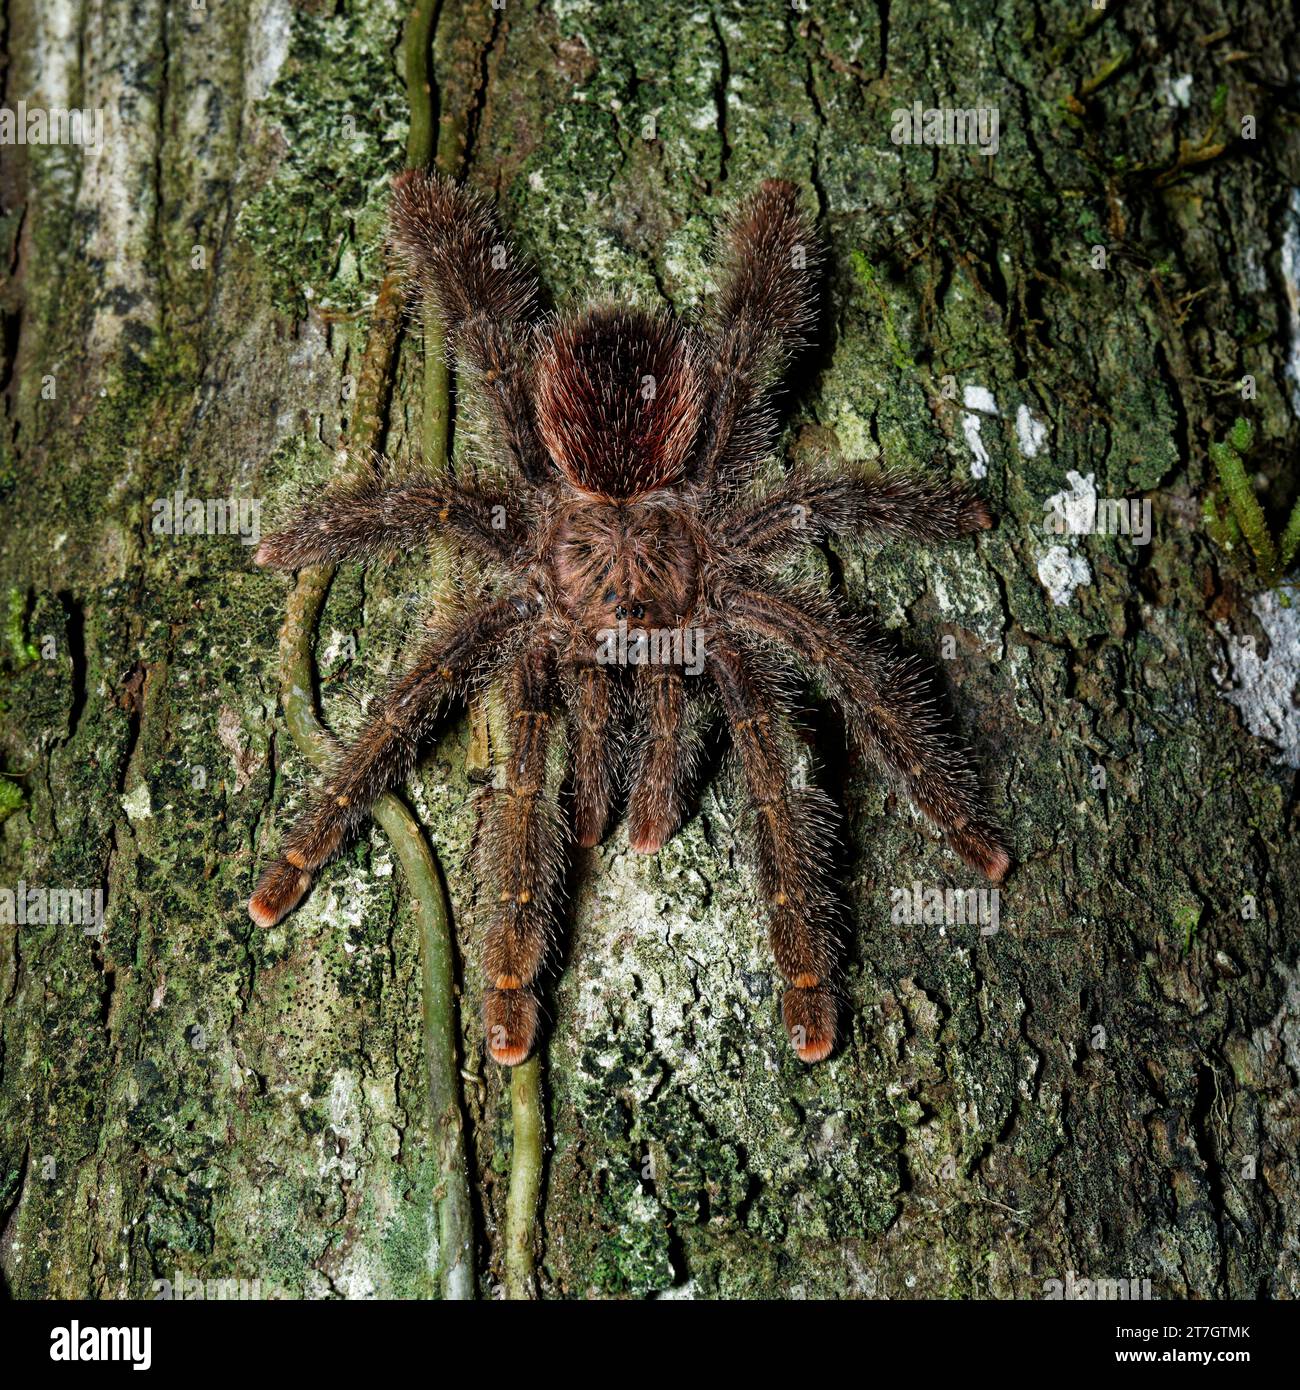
pixel 639 572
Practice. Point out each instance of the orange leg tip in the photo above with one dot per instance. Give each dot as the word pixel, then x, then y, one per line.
pixel 261 913
pixel 998 864
pixel 981 852
pixel 278 892
pixel 815 1052
pixel 510 1020
pixel 268 553
pixel 646 839
pixel 978 516
pixel 809 1016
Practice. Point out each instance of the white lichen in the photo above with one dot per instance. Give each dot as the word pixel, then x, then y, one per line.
pixel 1265 688
pixel 1073 510
pixel 977 399
pixel 1061 572
pixel 1290 262
pixel 269 26
pixel 1030 433
pixel 979 464
pixel 1176 91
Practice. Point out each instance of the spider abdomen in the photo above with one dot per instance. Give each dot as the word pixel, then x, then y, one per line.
pixel 619 400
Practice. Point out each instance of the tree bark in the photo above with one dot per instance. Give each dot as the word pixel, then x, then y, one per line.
pixel 1105 1085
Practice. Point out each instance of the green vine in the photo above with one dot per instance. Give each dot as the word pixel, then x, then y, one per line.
pixel 529 1128
pixel 428 893
pixel 439 139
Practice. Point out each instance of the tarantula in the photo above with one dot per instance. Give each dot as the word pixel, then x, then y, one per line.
pixel 632 442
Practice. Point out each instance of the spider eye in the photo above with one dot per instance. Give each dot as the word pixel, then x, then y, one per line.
pixel 620 612
pixel 638 611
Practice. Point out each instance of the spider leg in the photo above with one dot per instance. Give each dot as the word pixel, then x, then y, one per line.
pixel 765 305
pixel 885 699
pixel 523 857
pixel 381 756
pixel 790 834
pixel 594 759
pixel 367 519
pixel 664 759
pixel 812 505
pixel 456 254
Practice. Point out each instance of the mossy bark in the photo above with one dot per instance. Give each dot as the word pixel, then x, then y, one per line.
pixel 1107 1084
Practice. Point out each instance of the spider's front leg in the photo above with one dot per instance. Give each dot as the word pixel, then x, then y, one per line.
pixel 790 832
pixel 456 254
pixel 366 520
pixel 766 303
pixel 811 506
pixel 592 748
pixel 664 758
pixel 381 756
pixel 523 858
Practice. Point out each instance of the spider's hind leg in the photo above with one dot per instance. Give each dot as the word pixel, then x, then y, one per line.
pixel 791 832
pixel 523 858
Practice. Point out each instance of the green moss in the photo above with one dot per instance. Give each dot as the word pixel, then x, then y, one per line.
pixel 868 280
pixel 318 223
pixel 1187 918
pixel 21 651
pixel 1246 518
pixel 11 798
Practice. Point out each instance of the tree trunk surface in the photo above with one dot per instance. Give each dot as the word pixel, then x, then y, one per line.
pixel 1103 1088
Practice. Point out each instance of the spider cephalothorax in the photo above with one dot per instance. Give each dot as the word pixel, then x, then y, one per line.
pixel 637 572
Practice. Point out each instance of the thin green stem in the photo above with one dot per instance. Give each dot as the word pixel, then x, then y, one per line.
pixel 428 894
pixel 422 149
pixel 525 1178
pixel 438 966
pixel 445 150
pixel 417 52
